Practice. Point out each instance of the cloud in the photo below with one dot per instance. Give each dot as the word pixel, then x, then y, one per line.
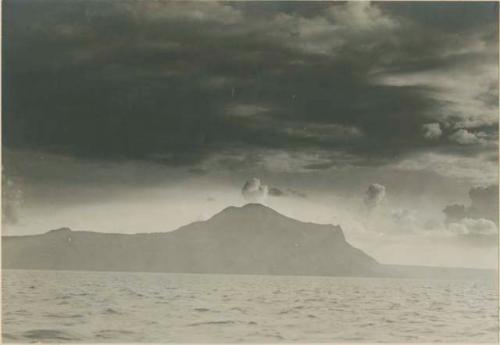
pixel 483 205
pixel 465 90
pixel 484 202
pixel 374 195
pixel 277 192
pixel 323 132
pixel 358 80
pixel 464 137
pixel 404 216
pixel 293 162
pixel 11 201
pixel 255 191
pixel 474 227
pixel 361 16
pixel 484 195
pixel 405 222
pixel 432 130
pixel 477 169
pixel 455 212
pixel 273 191
pixel 297 193
pixel 245 110
pixel 204 12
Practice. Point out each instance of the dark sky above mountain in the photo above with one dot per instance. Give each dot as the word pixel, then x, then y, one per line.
pixel 178 81
pixel 107 98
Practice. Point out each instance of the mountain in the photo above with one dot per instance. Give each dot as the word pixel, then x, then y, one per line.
pixel 252 239
pixel 241 240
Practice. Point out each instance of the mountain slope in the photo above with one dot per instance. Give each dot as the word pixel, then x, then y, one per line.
pixel 252 239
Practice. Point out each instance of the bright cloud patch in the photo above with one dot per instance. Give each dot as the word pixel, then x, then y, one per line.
pixel 432 130
pixel 255 191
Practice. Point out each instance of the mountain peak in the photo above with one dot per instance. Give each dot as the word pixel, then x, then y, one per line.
pixel 250 209
pixel 252 216
pixel 59 231
pixel 254 205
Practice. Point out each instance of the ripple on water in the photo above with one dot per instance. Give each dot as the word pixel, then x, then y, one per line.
pixel 111 311
pixel 63 315
pixel 201 310
pixel 241 310
pixel 210 323
pixel 49 335
pixel 111 333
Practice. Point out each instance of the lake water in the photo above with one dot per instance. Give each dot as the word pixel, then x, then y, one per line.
pixel 61 306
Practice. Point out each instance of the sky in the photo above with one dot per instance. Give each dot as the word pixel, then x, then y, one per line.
pixel 142 116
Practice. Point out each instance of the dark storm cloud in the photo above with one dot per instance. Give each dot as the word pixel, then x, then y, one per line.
pixel 39 178
pixel 176 82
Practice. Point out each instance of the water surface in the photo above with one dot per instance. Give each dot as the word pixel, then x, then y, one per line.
pixel 62 306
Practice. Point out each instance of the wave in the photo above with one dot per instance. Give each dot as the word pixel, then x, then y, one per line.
pixel 63 315
pixel 225 322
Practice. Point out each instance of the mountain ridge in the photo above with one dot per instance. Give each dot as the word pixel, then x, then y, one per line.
pixel 252 239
